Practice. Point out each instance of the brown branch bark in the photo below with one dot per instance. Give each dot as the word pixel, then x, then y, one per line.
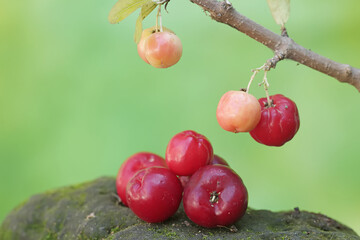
pixel 283 46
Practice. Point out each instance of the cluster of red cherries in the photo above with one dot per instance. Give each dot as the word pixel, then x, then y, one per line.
pixel 153 187
pixel 271 121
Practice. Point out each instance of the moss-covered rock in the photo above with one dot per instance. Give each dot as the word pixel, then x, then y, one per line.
pixel 91 211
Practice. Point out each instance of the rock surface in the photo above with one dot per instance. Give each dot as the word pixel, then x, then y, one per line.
pixel 91 211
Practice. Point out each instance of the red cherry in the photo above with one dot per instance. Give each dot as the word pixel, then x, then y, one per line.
pixel 238 111
pixel 132 165
pixel 216 160
pixel 154 194
pixel 187 151
pixel 215 196
pixel 279 122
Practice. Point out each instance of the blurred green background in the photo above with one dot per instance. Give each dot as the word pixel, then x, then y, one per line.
pixel 76 100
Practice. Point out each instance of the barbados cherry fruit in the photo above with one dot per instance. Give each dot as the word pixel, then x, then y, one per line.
pixel 216 160
pixel 144 35
pixel 238 111
pixel 163 49
pixel 160 49
pixel 133 164
pixel 154 194
pixel 279 121
pixel 215 196
pixel 187 151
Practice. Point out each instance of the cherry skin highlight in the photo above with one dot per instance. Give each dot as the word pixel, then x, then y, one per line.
pixel 163 49
pixel 238 111
pixel 187 151
pixel 279 122
pixel 215 196
pixel 132 165
pixel 154 194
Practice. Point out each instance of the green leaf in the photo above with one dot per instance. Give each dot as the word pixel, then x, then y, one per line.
pixel 124 8
pixel 280 10
pixel 146 9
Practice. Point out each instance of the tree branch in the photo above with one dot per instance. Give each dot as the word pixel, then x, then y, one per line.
pixel 283 46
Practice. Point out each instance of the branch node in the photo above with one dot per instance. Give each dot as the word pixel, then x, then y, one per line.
pixel 271 63
pixel 284 32
pixel 348 71
pixel 227 5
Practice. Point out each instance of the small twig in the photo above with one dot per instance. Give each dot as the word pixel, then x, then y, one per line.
pixel 255 71
pixel 280 43
pixel 271 63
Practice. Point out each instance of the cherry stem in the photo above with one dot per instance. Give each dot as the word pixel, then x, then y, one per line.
pixel 266 87
pixel 255 71
pixel 159 20
pixel 156 24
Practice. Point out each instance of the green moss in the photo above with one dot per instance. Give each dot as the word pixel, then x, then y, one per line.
pixel 50 236
pixel 164 232
pixel 6 234
pixel 115 230
pixel 80 199
pixel 83 236
pixel 68 193
pixel 111 237
pixel 35 227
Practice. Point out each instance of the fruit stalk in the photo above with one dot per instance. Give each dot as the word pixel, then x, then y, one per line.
pixel 159 27
pixel 266 88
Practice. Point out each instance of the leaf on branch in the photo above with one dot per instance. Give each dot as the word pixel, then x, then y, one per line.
pixel 124 8
pixel 146 9
pixel 280 10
